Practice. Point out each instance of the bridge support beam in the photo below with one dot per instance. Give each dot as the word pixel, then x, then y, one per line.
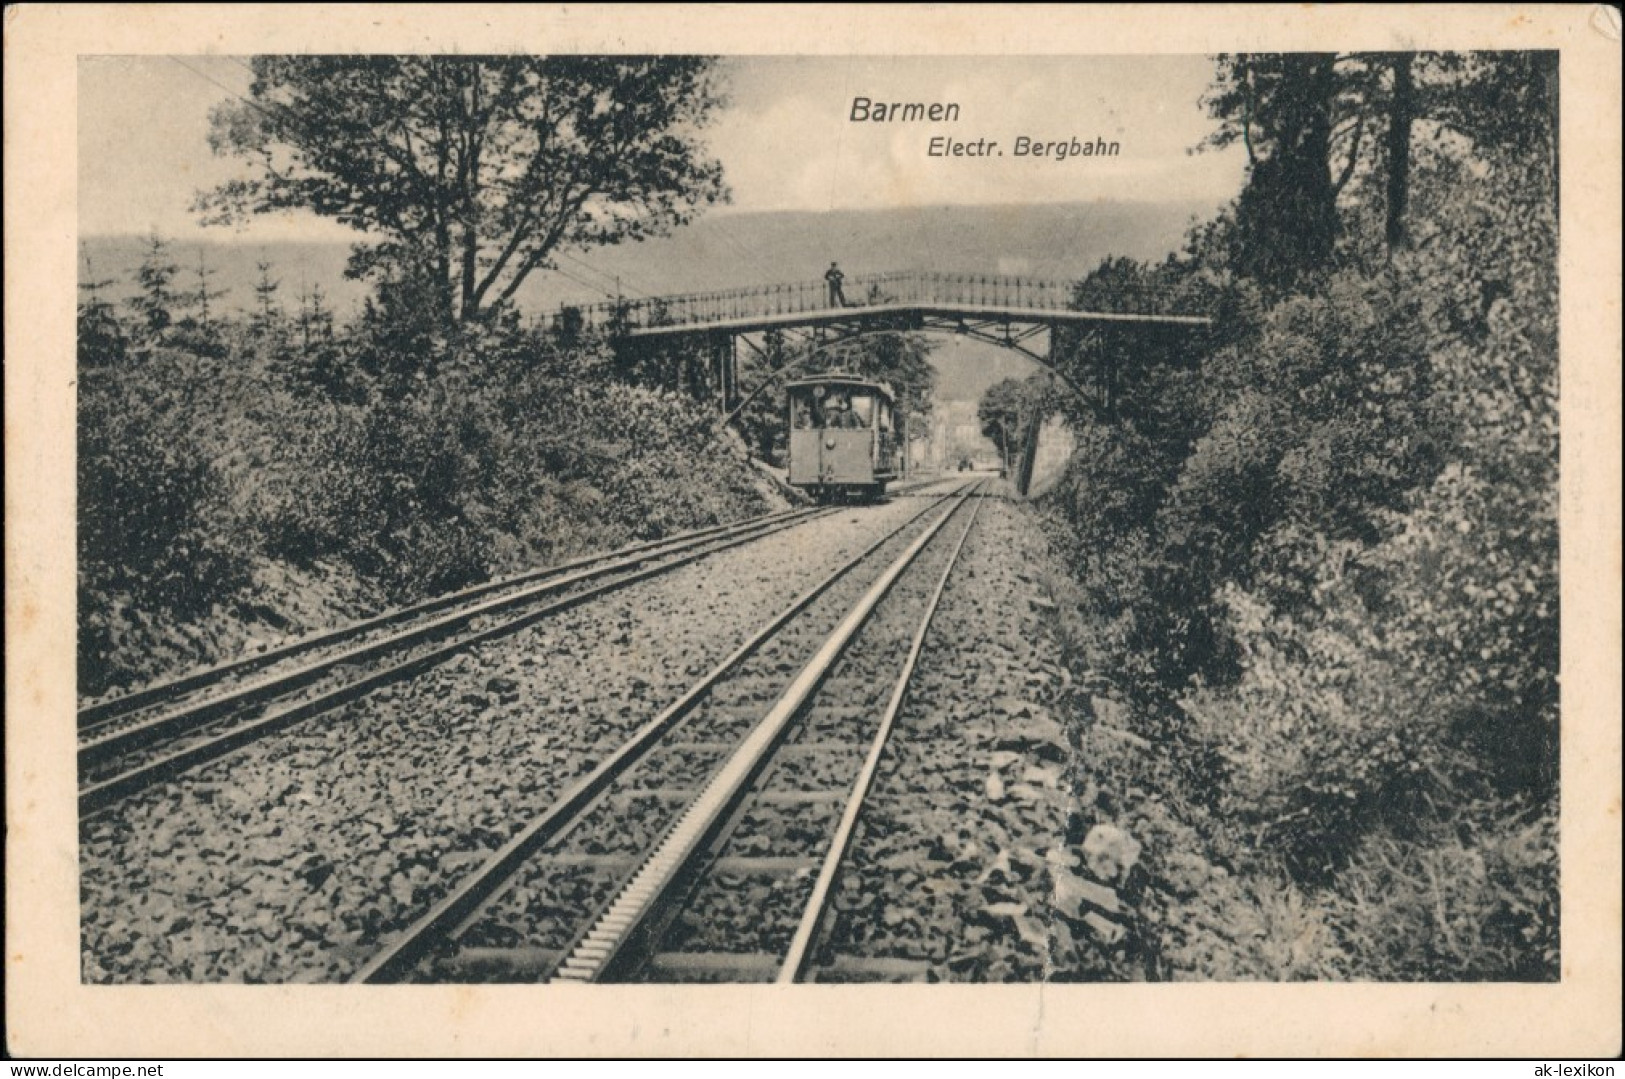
pixel 1029 453
pixel 724 364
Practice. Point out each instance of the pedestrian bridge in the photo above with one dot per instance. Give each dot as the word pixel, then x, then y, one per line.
pixel 701 331
pixel 909 298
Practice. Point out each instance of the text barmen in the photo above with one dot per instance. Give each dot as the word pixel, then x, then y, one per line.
pixel 903 111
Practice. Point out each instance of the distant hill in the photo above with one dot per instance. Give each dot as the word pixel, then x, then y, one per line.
pixel 730 250
pixel 295 265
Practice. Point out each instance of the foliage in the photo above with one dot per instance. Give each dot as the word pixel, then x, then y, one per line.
pixel 1474 901
pixel 203 293
pixel 1010 407
pixel 269 447
pixel 156 531
pixel 1333 137
pixel 101 337
pixel 154 305
pixel 1003 413
pixel 761 417
pixel 266 320
pixel 470 171
pixel 470 475
pixel 1318 549
pixel 900 360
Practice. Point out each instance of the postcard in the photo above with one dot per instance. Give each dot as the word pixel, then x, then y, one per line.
pixel 804 531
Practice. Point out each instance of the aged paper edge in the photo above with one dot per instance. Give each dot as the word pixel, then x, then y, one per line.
pixel 50 1013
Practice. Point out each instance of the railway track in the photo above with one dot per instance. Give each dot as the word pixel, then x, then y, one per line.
pixel 759 768
pixel 130 743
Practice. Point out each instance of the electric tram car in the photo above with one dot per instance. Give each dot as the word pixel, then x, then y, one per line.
pixel 844 442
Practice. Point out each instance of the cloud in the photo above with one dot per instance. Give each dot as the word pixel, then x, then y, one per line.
pixel 144 150
pixel 789 143
pixel 785 141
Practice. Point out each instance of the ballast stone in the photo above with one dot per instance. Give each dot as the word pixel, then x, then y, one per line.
pixel 1110 852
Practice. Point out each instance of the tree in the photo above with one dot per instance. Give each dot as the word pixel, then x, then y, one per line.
pixel 1276 106
pixel 155 301
pixel 1280 107
pixel 469 172
pixel 267 317
pixel 897 358
pixel 761 415
pixel 1003 412
pixel 315 319
pixel 901 360
pixel 100 337
pixel 202 294
pixel 1401 114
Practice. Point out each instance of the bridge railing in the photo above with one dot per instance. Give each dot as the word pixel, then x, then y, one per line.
pixel 996 291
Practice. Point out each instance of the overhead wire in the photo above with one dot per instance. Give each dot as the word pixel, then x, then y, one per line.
pixel 620 280
pixel 584 284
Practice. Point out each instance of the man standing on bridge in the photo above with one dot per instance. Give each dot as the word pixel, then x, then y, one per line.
pixel 834 276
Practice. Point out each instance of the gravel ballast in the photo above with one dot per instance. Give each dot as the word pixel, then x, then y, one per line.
pixel 966 860
pixel 293 859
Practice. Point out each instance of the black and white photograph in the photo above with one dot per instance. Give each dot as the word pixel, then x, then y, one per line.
pixel 559 510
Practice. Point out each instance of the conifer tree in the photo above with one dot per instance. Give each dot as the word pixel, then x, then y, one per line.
pixel 155 301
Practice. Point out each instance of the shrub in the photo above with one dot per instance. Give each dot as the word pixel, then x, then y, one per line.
pixel 1326 569
pixel 500 452
pixel 470 473
pixel 155 528
pixel 1477 900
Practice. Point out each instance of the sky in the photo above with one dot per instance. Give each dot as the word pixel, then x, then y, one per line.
pixel 785 138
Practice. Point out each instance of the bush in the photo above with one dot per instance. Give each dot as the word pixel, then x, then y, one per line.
pixel 156 532
pixel 1326 571
pixel 1475 901
pixel 470 475
pixel 500 452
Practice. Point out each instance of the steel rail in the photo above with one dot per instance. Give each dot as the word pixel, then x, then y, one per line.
pixel 598 948
pixel 95 749
pixel 101 794
pixel 101 712
pixel 395 960
pixel 813 914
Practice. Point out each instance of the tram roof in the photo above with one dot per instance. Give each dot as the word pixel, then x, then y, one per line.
pixel 841 379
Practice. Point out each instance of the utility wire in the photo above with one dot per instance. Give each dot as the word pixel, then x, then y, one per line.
pixel 584 284
pixel 767 272
pixel 618 279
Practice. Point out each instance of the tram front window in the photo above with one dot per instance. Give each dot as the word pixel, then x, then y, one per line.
pixel 835 409
pixel 803 415
pixel 861 414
